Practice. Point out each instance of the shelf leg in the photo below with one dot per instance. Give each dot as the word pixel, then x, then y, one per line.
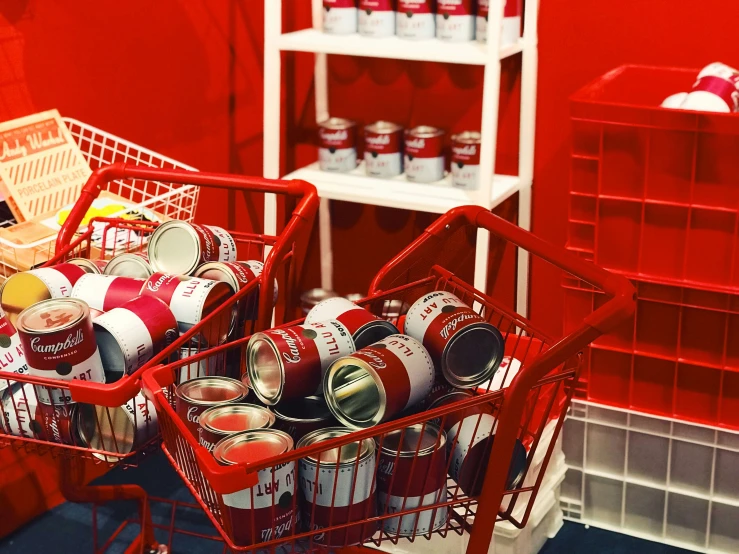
pixel 481 260
pixel 523 270
pixel 324 234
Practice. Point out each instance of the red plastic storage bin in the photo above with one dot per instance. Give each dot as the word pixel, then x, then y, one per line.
pixel 654 192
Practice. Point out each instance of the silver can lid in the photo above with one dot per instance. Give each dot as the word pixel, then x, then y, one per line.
pixel 218 271
pixel 211 390
pixel 421 439
pixel 235 418
pixel 174 248
pixel 467 137
pixel 128 265
pixel 424 131
pixel 346 454
pixel 87 265
pixel 49 316
pixel 383 127
pixel 473 355
pixel 252 446
pixel 337 123
pixel 265 370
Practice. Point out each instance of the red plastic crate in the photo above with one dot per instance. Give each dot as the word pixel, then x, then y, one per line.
pixel 677 356
pixel 654 192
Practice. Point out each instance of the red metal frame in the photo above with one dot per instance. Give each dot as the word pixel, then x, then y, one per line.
pixel 538 396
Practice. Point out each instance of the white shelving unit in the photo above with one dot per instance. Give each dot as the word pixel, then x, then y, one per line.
pixel 397 192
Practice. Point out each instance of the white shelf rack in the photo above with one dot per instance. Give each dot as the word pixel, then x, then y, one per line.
pixel 397 192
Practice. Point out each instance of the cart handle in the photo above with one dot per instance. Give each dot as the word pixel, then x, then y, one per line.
pixel 104 175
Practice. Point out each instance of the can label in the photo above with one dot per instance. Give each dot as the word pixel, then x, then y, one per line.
pixel 339 17
pixel 511 30
pixel 465 165
pixel 418 523
pixel 59 279
pixel 12 359
pixel 334 498
pixel 337 149
pixel 207 438
pixel 28 418
pixel 455 20
pixel 143 415
pixel 415 19
pixel 376 18
pixel 225 242
pixel 264 512
pixel 382 154
pixel 185 297
pixel 105 292
pixel 424 158
pixel 466 455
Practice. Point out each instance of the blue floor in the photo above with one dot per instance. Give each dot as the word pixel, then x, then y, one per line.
pixel 66 529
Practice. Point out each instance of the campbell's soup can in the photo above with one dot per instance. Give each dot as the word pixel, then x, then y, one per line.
pixel 455 20
pixel 464 346
pixel 376 18
pixel 365 327
pixel 716 90
pixel 133 333
pixel 340 17
pixel 219 422
pixel 89 266
pixel 302 416
pixel 265 511
pixel 470 442
pixel 59 343
pixel 337 145
pixel 197 395
pixel 199 362
pixel 24 289
pixel 12 359
pixel 178 247
pixel 383 149
pixel 379 381
pixel 411 473
pixel 424 154
pixel 105 292
pixel 289 363
pixel 465 160
pixel 511 30
pixel 338 487
pixel 129 264
pixel 415 19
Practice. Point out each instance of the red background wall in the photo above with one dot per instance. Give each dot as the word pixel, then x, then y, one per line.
pixel 184 77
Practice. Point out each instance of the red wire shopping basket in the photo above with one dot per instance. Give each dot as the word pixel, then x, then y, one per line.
pixel 535 400
pixel 283 256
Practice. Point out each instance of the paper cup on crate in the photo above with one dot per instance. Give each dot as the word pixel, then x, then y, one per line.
pixel 105 292
pixel 130 264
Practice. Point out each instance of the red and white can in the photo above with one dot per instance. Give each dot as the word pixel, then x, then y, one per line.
pixel 12 359
pixel 59 343
pixel 302 416
pixel 206 365
pixel 365 327
pixel 120 430
pixel 105 292
pixel 378 382
pixel 289 363
pixel 383 149
pixel 455 20
pixel 130 264
pixel 503 377
pixel 466 160
pixel 338 487
pixel 191 299
pixel 197 395
pixel 716 90
pixel 424 154
pixel 23 416
pixel 89 266
pixel 24 289
pixel 470 443
pixel 415 19
pixel 466 348
pixel 133 333
pixel 265 511
pixel 511 30
pixel 178 247
pixel 376 18
pixel 219 422
pixel 337 145
pixel 412 473
pixel 340 17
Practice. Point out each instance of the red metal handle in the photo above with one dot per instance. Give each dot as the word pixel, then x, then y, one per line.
pixel 104 175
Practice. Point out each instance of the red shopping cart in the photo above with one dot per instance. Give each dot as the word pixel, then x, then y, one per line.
pixel 282 255
pixel 537 398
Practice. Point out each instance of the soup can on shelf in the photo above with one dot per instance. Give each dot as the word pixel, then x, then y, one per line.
pixel 337 145
pixel 197 395
pixel 465 160
pixel 511 30
pixel 415 19
pixel 424 154
pixel 178 248
pixel 376 18
pixel 130 264
pixel 365 327
pixel 383 149
pixel 340 17
pixel 455 20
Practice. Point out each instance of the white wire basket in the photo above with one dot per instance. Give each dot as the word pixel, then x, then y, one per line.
pixel 99 148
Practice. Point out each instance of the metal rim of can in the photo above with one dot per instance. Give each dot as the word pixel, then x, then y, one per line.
pixel 219 382
pixel 180 253
pixel 228 274
pixel 337 123
pixel 128 258
pixel 373 331
pixel 383 127
pixel 259 343
pixel 424 131
pixel 280 441
pixel 444 400
pixel 349 364
pixel 116 421
pixel 313 400
pixel 85 264
pixel 467 137
pixel 457 379
pixel 439 438
pixel 84 312
pixel 204 420
pixel 366 447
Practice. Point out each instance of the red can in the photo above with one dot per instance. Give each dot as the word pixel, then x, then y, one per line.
pixel 462 343
pixel 383 149
pixel 338 487
pixel 337 145
pixel 89 266
pixel 178 247
pixel 455 20
pixel 289 363
pixel 412 473
pixel 511 30
pixel 105 292
pixel 266 511
pixel 197 395
pixel 340 17
pixel 366 328
pixel 192 299
pixel 132 334
pixel 415 19
pixel 424 154
pixel 378 382
pixel 376 18
pixel 219 422
pixel 302 416
pixel 12 359
pixel 23 416
pixel 130 264
pixel 466 160
pixel 59 343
